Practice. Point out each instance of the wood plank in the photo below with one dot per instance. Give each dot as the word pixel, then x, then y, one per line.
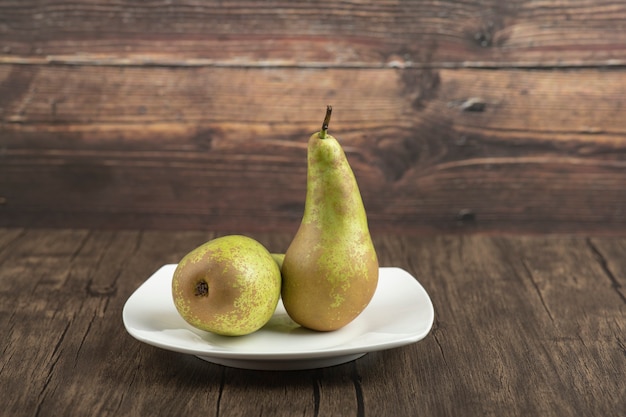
pixel 524 325
pixel 213 148
pixel 475 33
pixel 609 255
pixel 540 322
pixel 587 340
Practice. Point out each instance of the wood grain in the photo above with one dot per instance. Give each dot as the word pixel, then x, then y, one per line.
pixel 197 148
pixel 475 33
pixel 524 326
pixel 472 116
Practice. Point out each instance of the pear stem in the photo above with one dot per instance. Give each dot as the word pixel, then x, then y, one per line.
pixel 323 132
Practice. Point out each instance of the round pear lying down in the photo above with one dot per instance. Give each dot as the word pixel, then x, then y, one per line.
pixel 229 286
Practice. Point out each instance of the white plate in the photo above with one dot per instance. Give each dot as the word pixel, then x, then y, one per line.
pixel 400 313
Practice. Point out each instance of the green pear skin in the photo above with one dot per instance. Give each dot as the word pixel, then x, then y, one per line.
pixel 278 258
pixel 330 269
pixel 228 286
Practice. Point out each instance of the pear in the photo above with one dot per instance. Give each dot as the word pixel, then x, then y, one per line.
pixel 228 286
pixel 278 258
pixel 330 269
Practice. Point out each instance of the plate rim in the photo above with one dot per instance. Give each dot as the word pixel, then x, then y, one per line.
pixel 286 356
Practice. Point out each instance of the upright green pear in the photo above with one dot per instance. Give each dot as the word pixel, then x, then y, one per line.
pixel 330 270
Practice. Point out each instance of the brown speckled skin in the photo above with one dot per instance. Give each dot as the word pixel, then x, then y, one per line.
pixel 330 270
pixel 243 281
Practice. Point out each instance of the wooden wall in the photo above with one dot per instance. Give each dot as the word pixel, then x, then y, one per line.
pixel 474 116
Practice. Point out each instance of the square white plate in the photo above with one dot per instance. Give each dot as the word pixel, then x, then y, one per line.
pixel 400 313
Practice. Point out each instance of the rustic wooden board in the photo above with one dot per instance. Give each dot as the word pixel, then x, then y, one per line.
pixel 476 33
pixel 524 326
pixel 198 148
pixel 456 116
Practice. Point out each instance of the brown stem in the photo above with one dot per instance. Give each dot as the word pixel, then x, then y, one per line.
pixel 323 132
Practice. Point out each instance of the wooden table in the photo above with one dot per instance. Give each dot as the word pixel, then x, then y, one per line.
pixel 524 326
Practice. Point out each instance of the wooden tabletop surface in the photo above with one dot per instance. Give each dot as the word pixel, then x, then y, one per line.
pixel 524 325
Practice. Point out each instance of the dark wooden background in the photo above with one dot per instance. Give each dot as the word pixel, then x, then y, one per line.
pixel 473 116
